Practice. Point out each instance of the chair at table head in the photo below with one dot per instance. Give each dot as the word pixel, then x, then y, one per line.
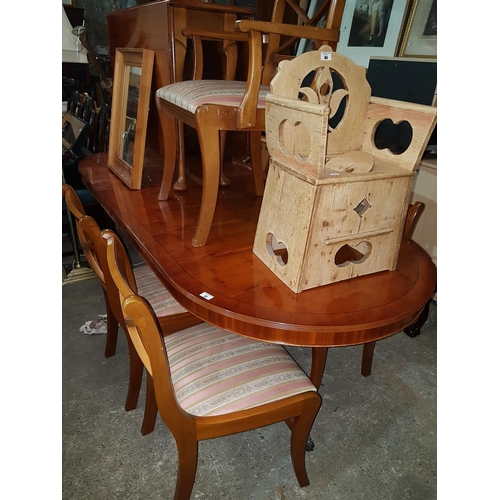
pixel 214 107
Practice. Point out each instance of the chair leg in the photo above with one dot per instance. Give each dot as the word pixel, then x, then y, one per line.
pixel 223 181
pixel 413 330
pixel 302 426
pixel 170 141
pixel 135 377
pixel 264 156
pixel 151 408
pixel 256 158
pixel 186 471
pixel 180 184
pixel 208 134
pixel 112 329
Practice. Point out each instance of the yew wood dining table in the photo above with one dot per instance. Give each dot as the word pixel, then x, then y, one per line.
pixel 225 284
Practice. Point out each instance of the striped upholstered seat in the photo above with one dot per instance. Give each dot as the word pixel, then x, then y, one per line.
pixel 190 95
pixel 150 287
pixel 215 372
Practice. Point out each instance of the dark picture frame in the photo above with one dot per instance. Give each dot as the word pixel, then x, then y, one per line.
pixel 371 28
pixel 420 34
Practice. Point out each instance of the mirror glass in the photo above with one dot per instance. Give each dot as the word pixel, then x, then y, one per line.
pixel 128 134
pixel 129 114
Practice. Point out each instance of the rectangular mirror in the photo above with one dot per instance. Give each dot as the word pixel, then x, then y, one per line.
pixel 129 114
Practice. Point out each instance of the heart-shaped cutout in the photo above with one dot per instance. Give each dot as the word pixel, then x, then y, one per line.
pixel 355 255
pixel 396 137
pixel 294 139
pixel 277 249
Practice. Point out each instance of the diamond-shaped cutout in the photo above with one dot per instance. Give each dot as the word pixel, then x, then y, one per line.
pixel 362 207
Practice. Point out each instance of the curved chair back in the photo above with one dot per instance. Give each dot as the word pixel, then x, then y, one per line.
pixel 88 232
pixel 135 306
pixel 209 382
pixel 118 272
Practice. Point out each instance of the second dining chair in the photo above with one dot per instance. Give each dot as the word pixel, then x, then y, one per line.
pixel 210 383
pixel 413 215
pixel 171 314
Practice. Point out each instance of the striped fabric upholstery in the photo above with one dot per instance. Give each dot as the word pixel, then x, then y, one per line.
pixel 150 287
pixel 191 94
pixel 216 372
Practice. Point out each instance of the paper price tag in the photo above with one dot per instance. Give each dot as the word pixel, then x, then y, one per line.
pixel 206 295
pixel 325 56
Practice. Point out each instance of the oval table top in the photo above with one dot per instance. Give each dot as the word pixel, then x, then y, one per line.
pixel 244 296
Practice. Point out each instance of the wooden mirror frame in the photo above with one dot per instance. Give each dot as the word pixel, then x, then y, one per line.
pixel 125 58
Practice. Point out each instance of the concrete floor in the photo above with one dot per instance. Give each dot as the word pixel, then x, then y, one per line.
pixel 375 437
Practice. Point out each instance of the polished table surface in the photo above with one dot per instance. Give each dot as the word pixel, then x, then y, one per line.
pixel 246 297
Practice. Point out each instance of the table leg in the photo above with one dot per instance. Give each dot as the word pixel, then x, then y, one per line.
pixel 366 362
pixel 318 363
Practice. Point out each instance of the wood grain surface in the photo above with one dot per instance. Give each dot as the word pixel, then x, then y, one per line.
pixel 247 298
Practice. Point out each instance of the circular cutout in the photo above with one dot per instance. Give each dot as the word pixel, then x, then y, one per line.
pixel 396 137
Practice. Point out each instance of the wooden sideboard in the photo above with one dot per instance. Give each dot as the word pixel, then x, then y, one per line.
pixel 158 26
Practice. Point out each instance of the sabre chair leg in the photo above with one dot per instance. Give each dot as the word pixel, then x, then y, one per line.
pixel 413 330
pixel 135 377
pixel 208 135
pixel 151 408
pixel 301 429
pixel 223 181
pixel 256 158
pixel 170 141
pixel 186 471
pixel 180 184
pixel 318 364
pixel 111 330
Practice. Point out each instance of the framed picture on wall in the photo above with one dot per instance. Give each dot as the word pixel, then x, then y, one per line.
pixel 371 28
pixel 420 33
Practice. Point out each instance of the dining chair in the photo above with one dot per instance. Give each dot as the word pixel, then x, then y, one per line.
pixel 99 130
pixel 413 215
pixel 214 107
pixel 415 211
pixel 210 383
pixel 171 315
